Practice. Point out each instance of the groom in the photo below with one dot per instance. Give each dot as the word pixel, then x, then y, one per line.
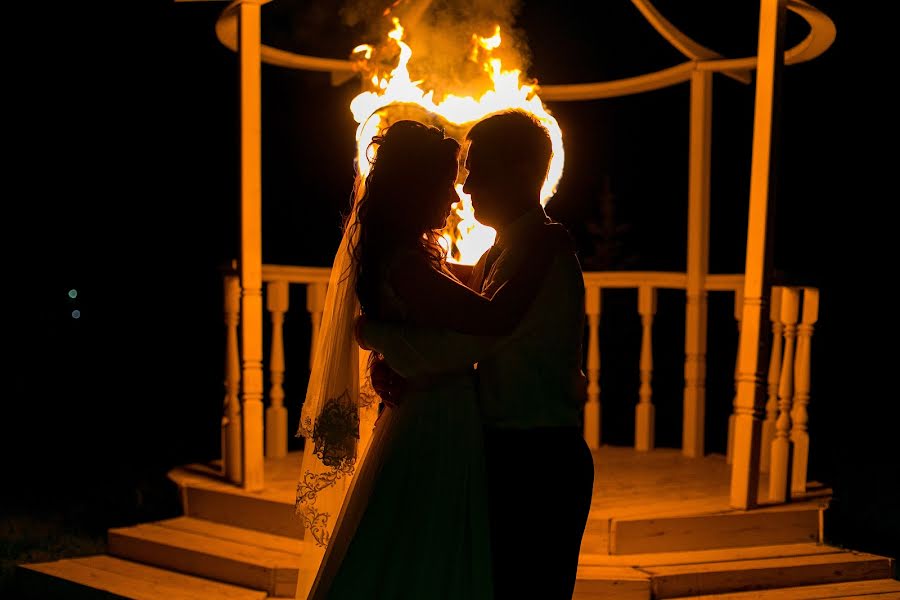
pixel 531 387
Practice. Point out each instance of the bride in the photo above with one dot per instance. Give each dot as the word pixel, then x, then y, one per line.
pixel 393 498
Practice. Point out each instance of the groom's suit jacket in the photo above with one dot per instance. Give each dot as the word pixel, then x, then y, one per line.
pixel 530 378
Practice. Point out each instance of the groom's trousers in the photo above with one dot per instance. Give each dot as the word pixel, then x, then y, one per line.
pixel 539 492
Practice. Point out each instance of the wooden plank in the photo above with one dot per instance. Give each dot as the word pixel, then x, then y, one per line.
pixel 706 556
pixel 240 510
pixel 622 583
pixel 249 537
pixel 49 581
pixel 213 558
pixel 735 576
pixel 882 596
pixel 80 578
pixel 596 536
pixel 874 589
pixel 644 505
pixel 626 590
pixel 151 532
pixel 714 531
pixel 198 586
pixel 587 572
pixel 281 478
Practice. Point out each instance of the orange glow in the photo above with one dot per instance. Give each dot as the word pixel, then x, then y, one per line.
pixel 464 236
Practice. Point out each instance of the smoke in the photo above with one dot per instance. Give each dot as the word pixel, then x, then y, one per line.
pixel 440 34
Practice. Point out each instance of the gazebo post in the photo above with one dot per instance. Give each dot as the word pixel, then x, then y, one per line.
pixel 692 434
pixel 251 243
pixel 753 346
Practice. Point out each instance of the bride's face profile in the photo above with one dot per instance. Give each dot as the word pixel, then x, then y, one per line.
pixel 442 201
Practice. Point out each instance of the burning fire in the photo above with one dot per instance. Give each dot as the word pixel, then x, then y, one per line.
pixel 465 238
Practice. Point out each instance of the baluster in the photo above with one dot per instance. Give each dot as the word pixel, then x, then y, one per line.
pixel 592 412
pixel 277 297
pixel 694 418
pixel 768 427
pixel 800 416
pixel 315 304
pixel 779 473
pixel 645 412
pixel 231 419
pixel 738 313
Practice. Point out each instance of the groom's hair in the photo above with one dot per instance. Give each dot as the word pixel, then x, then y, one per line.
pixel 516 139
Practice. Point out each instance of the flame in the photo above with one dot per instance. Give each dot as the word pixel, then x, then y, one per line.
pixel 465 238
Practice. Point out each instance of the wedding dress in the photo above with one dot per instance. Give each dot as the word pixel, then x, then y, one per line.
pixel 413 524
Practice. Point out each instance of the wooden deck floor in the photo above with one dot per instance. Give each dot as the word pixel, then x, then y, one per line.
pixel 627 483
pixel 663 482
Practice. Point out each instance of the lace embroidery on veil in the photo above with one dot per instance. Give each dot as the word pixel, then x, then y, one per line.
pixel 334 436
pixel 336 439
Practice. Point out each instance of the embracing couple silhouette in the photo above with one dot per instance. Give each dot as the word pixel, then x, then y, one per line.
pixel 443 456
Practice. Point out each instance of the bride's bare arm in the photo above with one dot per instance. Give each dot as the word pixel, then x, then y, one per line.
pixel 434 299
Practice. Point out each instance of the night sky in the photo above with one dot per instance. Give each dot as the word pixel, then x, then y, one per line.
pixel 123 176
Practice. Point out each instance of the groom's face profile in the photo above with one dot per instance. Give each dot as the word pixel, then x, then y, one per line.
pixel 483 184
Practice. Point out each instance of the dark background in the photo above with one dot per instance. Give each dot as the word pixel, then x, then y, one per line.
pixel 122 184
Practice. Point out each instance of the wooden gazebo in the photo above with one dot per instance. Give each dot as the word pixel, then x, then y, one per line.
pixel 239 29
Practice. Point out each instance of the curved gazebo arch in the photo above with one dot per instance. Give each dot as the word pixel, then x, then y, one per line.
pixel 238 28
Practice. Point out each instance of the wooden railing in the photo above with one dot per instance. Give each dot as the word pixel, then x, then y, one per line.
pixel 647 284
pixel 785 440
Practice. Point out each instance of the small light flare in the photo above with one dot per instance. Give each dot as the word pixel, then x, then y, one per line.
pixel 464 237
pixel 365 49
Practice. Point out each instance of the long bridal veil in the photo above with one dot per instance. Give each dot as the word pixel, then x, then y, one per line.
pixel 337 418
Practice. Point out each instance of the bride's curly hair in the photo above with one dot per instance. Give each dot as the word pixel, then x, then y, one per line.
pixel 411 165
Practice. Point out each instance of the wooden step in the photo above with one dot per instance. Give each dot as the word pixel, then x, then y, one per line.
pixel 873 589
pixel 718 530
pixel 214 551
pixel 621 583
pixel 689 557
pixel 595 538
pixel 635 576
pixel 213 529
pixel 249 511
pixel 675 581
pixel 101 576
